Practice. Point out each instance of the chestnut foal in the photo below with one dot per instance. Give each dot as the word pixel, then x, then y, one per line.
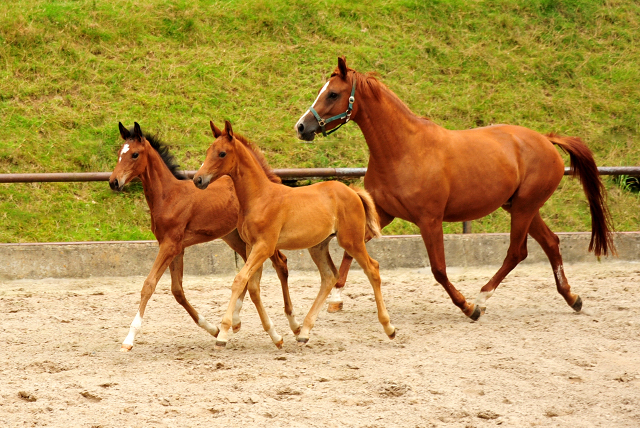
pixel 274 217
pixel 181 216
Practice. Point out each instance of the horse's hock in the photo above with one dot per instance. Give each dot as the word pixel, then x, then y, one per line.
pixel 128 258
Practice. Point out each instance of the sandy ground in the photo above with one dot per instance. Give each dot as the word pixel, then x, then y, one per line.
pixel 529 361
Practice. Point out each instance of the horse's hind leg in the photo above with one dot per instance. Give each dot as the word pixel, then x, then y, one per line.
pixel 517 252
pixel 279 262
pixel 328 277
pixel 176 267
pixel 371 269
pixel 166 253
pixel 335 298
pixel 551 246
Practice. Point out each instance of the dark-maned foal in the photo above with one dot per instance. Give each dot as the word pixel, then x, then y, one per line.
pixel 421 172
pixel 181 216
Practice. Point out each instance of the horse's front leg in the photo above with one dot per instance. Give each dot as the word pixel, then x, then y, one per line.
pixel 238 288
pixel 236 243
pixel 166 253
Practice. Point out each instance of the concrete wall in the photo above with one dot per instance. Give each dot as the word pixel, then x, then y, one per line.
pixel 86 259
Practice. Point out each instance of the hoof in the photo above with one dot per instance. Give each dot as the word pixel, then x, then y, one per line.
pixel 279 344
pixel 577 306
pixel 334 307
pixel 302 341
pixel 220 345
pixel 476 313
pixel 236 328
pixel 392 335
pixel 126 348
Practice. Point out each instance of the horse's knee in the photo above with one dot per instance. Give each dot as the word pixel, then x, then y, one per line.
pixel 440 274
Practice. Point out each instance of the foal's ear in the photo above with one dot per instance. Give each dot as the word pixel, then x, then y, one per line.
pixel 342 66
pixel 216 131
pixel 228 130
pixel 124 132
pixel 137 132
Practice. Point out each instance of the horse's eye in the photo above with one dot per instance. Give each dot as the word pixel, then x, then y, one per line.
pixel 333 95
pixel 222 154
pixel 135 155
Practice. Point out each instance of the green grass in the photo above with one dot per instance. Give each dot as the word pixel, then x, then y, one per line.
pixel 70 70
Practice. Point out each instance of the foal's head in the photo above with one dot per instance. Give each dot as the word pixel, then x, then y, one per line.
pixel 221 156
pixel 333 100
pixel 132 159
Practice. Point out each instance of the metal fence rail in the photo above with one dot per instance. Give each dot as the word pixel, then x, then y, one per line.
pixel 287 174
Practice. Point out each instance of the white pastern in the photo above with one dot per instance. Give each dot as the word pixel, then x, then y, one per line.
pixel 335 296
pixel 481 300
pixel 133 330
pixel 211 329
pixel 236 312
pixel 293 322
pixel 273 333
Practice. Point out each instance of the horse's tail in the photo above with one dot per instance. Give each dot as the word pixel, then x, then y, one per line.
pixel 373 225
pixel 584 166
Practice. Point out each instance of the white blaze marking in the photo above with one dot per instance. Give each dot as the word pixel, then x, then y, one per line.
pixel 124 150
pixel 133 330
pixel 324 88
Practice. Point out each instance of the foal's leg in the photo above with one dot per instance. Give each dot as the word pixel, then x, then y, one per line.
pixel 328 277
pixel 256 258
pixel 431 231
pixel 176 267
pixel 279 262
pixel 358 249
pixel 236 243
pixel 551 246
pixel 517 252
pixel 254 293
pixel 166 253
pixel 335 298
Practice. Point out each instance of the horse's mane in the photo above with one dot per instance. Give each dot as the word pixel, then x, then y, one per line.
pixel 258 156
pixel 163 150
pixel 368 82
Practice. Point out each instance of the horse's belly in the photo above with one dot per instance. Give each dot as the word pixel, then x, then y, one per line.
pixel 474 205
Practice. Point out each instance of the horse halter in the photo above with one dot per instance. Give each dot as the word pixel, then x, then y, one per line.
pixel 322 122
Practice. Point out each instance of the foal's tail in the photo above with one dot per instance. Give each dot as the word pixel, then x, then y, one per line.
pixel 373 225
pixel 583 166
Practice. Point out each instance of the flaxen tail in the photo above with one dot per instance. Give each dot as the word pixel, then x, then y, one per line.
pixel 373 225
pixel 584 166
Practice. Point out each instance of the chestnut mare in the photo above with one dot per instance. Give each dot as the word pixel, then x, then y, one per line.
pixel 426 174
pixel 181 216
pixel 273 216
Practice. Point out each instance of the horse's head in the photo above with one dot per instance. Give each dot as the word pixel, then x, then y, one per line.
pixel 221 156
pixel 132 157
pixel 333 107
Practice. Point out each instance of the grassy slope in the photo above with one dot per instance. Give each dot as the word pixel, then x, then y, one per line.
pixel 72 69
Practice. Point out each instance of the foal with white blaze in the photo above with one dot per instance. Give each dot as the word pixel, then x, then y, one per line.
pixel 274 217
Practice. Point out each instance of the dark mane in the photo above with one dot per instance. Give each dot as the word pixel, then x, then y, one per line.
pixel 368 82
pixel 168 159
pixel 257 154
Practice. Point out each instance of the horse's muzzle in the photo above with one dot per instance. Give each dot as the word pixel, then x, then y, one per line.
pixel 116 185
pixel 202 181
pixel 307 129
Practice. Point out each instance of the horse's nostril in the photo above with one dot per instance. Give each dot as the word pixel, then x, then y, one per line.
pixel 301 128
pixel 198 181
pixel 113 184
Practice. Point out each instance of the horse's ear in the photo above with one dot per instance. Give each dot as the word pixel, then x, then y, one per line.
pixel 228 130
pixel 124 132
pixel 216 131
pixel 342 66
pixel 137 132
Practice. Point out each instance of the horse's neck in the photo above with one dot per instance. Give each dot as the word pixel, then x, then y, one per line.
pixel 249 179
pixel 155 180
pixel 387 124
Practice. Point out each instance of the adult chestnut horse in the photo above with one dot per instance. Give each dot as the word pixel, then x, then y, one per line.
pixel 181 216
pixel 426 174
pixel 276 217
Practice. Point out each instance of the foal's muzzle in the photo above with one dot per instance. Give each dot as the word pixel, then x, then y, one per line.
pixel 116 185
pixel 202 181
